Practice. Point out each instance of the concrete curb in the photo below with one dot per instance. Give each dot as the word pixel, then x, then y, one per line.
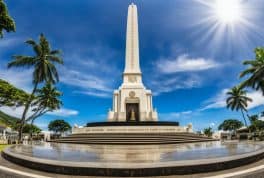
pixel 7 172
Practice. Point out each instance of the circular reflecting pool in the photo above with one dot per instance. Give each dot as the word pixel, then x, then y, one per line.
pixel 135 153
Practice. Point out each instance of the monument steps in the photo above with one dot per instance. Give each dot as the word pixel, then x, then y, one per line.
pixel 122 137
pixel 127 136
pixel 139 134
pixel 135 142
pixel 142 138
pixel 132 140
pixel 137 138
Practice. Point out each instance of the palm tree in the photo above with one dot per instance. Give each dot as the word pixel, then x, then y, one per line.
pixel 6 22
pixel 237 100
pixel 47 100
pixel 43 63
pixel 255 70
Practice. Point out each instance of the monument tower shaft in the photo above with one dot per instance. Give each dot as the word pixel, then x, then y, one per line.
pixel 132 44
pixel 132 102
pixel 132 66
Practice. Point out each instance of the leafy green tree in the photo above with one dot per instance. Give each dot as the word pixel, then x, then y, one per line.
pixel 28 128
pixel 255 71
pixel 237 100
pixel 6 22
pixel 59 126
pixel 256 124
pixel 208 132
pixel 11 96
pixel 230 125
pixel 253 118
pixel 43 63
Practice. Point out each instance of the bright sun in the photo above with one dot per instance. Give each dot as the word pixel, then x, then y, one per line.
pixel 226 24
pixel 228 11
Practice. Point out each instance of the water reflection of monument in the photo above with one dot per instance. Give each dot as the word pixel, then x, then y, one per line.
pixel 151 153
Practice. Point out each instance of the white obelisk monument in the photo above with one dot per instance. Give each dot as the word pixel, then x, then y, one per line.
pixel 132 102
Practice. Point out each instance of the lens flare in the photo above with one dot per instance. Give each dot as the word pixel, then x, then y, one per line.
pixel 225 25
pixel 228 11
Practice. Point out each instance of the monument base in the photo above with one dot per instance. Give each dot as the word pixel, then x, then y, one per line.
pixel 132 127
pixel 132 133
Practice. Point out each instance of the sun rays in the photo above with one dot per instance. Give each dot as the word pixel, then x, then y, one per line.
pixel 226 24
pixel 228 11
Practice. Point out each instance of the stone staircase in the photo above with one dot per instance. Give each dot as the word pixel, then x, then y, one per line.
pixel 133 138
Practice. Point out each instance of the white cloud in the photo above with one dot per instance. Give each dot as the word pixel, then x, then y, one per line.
pixel 12 111
pixel 63 112
pixel 184 63
pixel 85 81
pixel 219 101
pixel 176 115
pixel 257 97
pixel 87 84
pixel 43 125
pixel 169 84
pixel 17 112
pixel 88 71
pixel 95 61
pixel 166 81
pixel 21 78
pixel 95 94
pixel 212 124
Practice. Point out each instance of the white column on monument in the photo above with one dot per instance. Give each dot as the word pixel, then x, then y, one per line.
pixel 151 107
pixel 132 46
pixel 114 108
pixel 115 102
pixel 149 103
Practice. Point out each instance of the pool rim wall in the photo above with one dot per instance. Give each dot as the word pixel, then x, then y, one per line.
pixel 71 168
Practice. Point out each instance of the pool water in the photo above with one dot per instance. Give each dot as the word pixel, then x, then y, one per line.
pixel 135 153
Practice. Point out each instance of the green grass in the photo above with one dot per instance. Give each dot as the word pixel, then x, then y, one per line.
pixel 2 147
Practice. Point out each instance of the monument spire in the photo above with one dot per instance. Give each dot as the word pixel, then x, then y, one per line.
pixel 132 102
pixel 132 46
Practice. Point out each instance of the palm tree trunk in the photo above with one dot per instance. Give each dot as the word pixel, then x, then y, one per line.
pixel 244 117
pixel 22 123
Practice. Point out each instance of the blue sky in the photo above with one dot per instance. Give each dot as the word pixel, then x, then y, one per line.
pixel 189 57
